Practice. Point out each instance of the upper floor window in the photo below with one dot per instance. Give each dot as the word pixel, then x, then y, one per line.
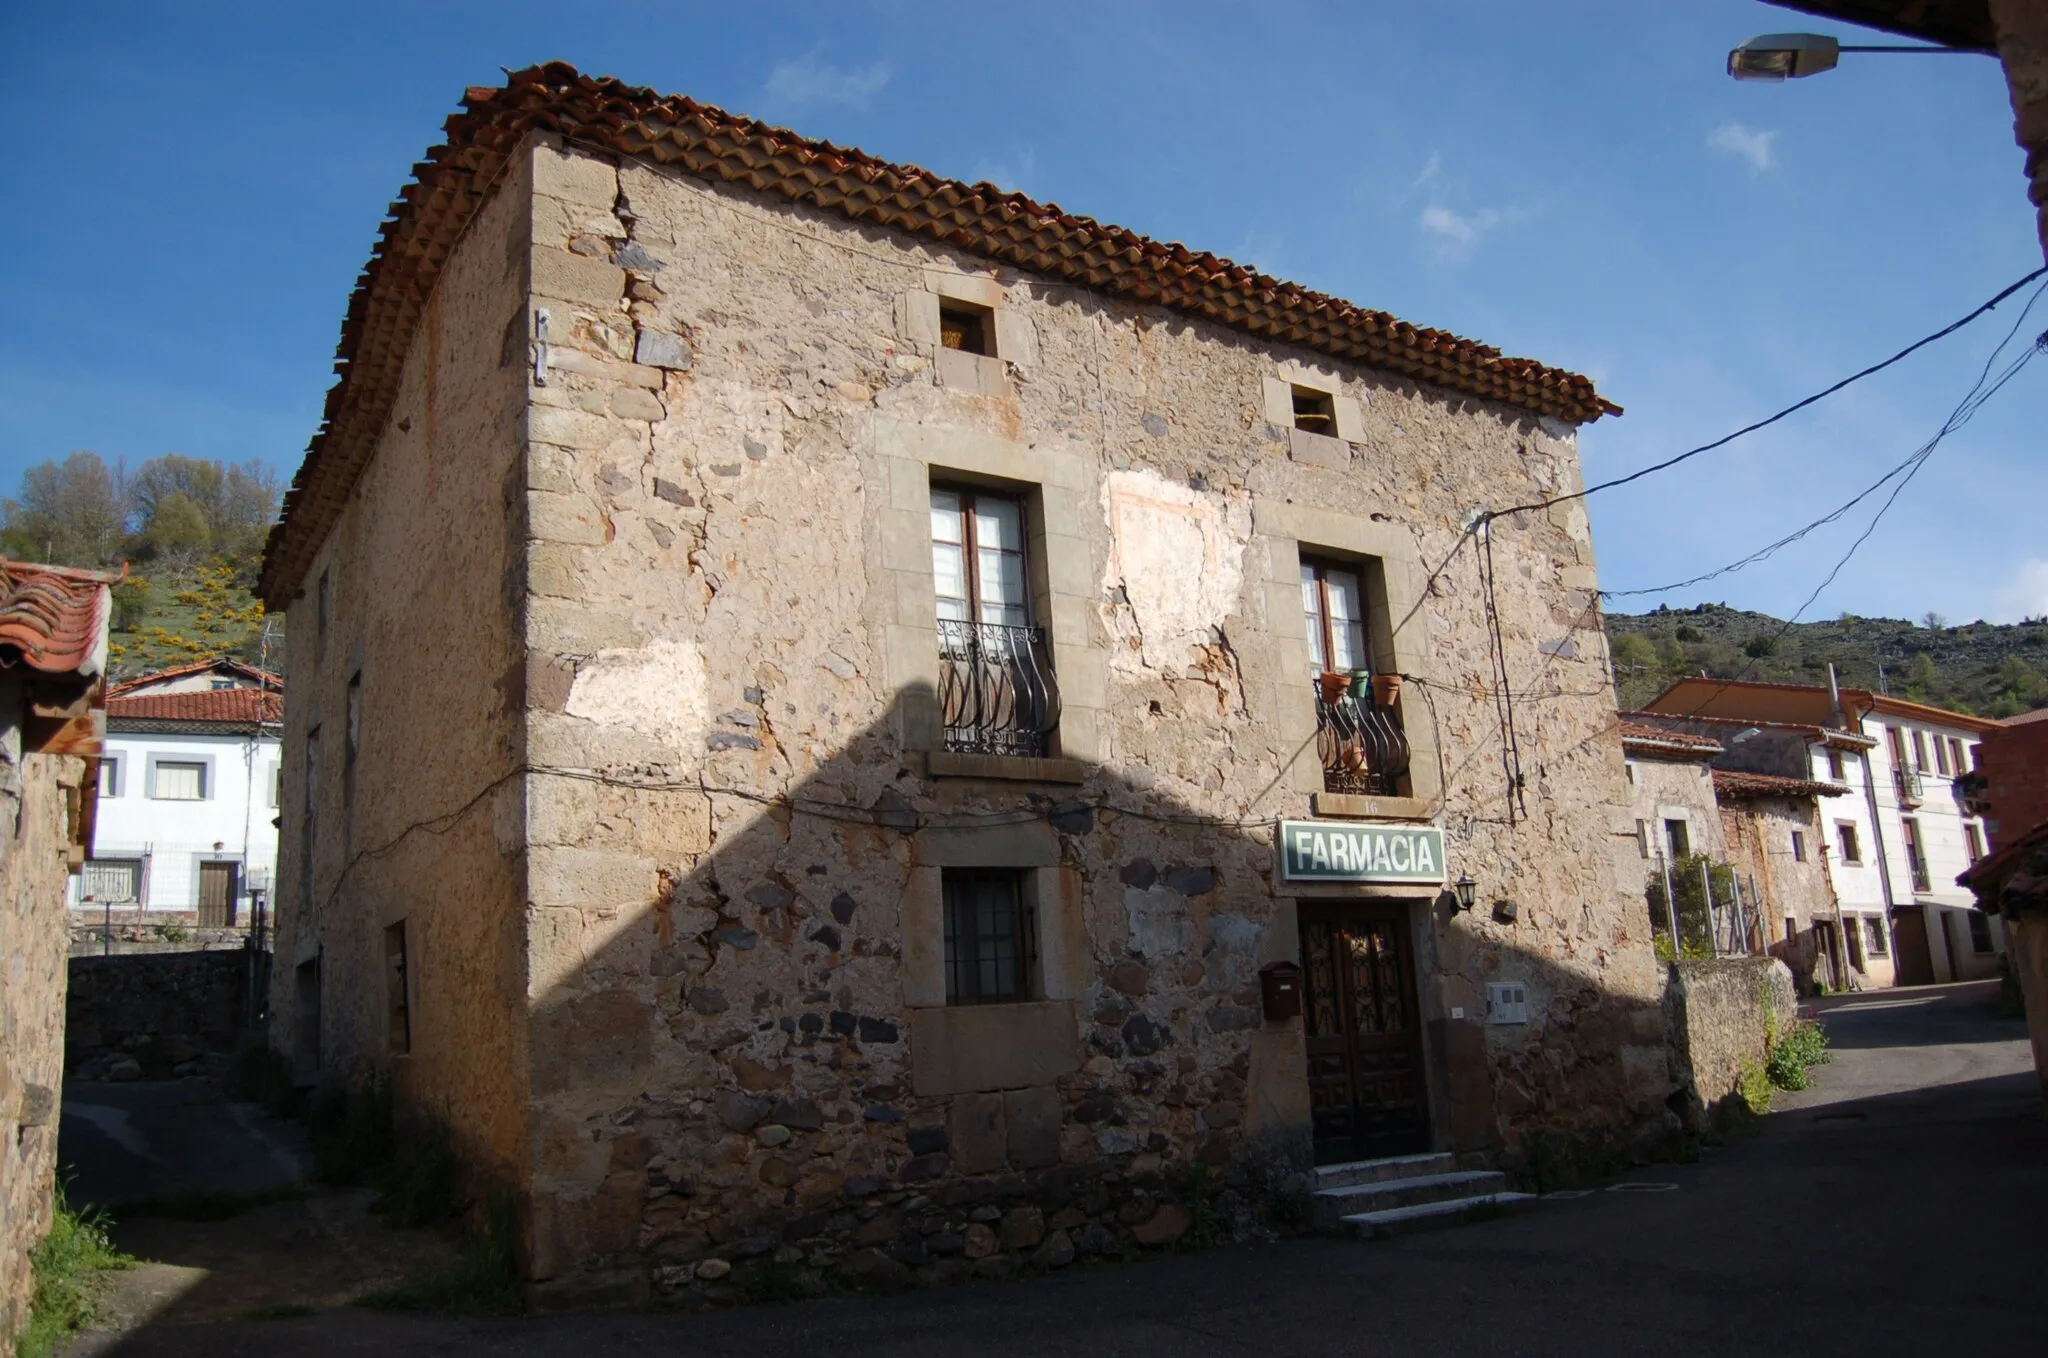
pixel 1315 412
pixel 1973 835
pixel 968 328
pixel 1845 836
pixel 1919 749
pixel 323 606
pixel 1358 726
pixel 1678 835
pixel 178 781
pixel 997 693
pixel 110 775
pixel 1941 756
pixel 217 685
pixel 1798 846
pixel 1835 765
pixel 1916 855
pixel 1958 754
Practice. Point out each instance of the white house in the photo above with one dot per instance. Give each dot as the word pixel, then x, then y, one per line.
pixel 188 797
pixel 1902 833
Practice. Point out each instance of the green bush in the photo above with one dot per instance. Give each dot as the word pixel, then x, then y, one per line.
pixel 1792 1055
pixel 66 1268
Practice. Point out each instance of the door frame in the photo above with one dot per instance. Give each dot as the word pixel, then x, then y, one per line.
pixel 231 906
pixel 1410 921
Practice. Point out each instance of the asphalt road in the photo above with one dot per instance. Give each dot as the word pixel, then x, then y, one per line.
pixel 1892 1209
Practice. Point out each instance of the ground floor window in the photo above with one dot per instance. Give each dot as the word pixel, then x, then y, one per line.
pixel 1980 932
pixel 1874 935
pixel 989 936
pixel 116 881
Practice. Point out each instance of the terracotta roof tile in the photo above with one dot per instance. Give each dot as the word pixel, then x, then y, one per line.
pixel 1645 733
pixel 247 671
pixel 452 182
pixel 241 706
pixel 53 618
pixel 1734 783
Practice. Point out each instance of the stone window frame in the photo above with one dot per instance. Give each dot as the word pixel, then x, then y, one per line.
pixel 1855 839
pixel 1061 495
pixel 1282 534
pixel 1009 333
pixel 964 1049
pixel 1333 451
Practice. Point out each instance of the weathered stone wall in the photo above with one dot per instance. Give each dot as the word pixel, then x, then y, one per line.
pixel 736 834
pixel 417 567
pixel 1759 832
pixel 1722 1015
pixel 1680 789
pixel 154 1011
pixel 157 931
pixel 2022 27
pixel 33 871
pixel 2026 943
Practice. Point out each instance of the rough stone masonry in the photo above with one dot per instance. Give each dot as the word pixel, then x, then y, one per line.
pixel 619 812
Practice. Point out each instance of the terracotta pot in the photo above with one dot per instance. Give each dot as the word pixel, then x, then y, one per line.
pixel 1385 689
pixel 1334 683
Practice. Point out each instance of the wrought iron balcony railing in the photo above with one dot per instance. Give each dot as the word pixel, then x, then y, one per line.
pixel 1912 790
pixel 1361 745
pixel 996 688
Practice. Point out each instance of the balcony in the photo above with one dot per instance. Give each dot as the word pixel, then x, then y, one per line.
pixel 997 694
pixel 1360 742
pixel 1912 789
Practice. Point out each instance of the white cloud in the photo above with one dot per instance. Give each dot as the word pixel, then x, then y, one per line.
pixel 808 81
pixel 2026 594
pixel 1458 227
pixel 1757 147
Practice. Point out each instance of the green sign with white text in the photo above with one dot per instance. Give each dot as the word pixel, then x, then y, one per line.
pixel 1352 851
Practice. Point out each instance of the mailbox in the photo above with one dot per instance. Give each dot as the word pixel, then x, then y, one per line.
pixel 1280 989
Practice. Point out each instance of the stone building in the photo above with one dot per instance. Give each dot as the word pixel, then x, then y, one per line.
pixel 1778 846
pixel 1671 791
pixel 816 689
pixel 53 655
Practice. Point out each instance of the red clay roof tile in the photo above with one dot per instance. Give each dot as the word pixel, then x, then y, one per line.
pixel 53 618
pixel 452 182
pixel 241 706
pixel 1735 783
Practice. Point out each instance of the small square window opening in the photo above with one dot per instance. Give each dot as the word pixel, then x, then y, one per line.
pixel 1798 846
pixel 1315 412
pixel 1678 835
pixel 968 328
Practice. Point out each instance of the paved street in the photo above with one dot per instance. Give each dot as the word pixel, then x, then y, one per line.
pixel 1877 1213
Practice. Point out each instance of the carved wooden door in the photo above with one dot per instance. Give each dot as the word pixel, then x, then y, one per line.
pixel 1366 1091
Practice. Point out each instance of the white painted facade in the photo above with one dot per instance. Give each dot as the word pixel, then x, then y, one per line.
pixel 155 839
pixel 1961 943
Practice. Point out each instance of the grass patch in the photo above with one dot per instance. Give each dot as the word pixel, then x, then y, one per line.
pixel 482 1280
pixel 68 1271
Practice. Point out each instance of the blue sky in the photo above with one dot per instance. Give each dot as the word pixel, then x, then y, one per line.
pixel 193 188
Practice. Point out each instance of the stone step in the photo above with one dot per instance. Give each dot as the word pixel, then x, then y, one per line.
pixel 1376 1171
pixel 1424 1216
pixel 1332 1204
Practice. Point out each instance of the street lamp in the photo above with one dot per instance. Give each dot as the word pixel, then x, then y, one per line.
pixel 1789 56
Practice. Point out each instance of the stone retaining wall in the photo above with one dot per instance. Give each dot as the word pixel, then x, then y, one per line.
pixel 153 1014
pixel 1722 1015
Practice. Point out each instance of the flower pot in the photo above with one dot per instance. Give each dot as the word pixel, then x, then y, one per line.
pixel 1333 683
pixel 1361 686
pixel 1385 689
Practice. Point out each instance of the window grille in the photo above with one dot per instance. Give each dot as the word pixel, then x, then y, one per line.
pixel 990 938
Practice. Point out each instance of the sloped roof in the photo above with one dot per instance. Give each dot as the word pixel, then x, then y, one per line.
pixel 239 706
pixel 609 115
pixel 1650 738
pixel 53 618
pixel 1735 785
pixel 261 678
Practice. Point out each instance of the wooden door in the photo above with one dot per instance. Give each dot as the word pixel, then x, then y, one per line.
pixel 217 895
pixel 1366 1090
pixel 1910 954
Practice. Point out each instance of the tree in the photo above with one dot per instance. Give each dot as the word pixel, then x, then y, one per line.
pixel 2022 683
pixel 1760 645
pixel 1635 651
pixel 1933 621
pixel 1922 679
pixel 70 513
pixel 235 504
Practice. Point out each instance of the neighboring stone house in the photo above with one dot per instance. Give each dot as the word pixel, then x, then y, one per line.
pixel 1672 792
pixel 53 655
pixel 816 689
pixel 1904 825
pixel 1777 845
pixel 2013 884
pixel 188 788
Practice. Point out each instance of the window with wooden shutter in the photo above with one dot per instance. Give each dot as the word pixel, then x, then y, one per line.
pixel 178 781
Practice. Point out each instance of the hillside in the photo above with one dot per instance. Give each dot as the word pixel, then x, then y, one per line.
pixel 174 617
pixel 1990 669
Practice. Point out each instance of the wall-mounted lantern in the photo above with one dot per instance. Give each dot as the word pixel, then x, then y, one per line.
pixel 1467 889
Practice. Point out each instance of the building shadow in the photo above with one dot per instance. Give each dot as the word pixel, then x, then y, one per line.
pixel 747 1080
